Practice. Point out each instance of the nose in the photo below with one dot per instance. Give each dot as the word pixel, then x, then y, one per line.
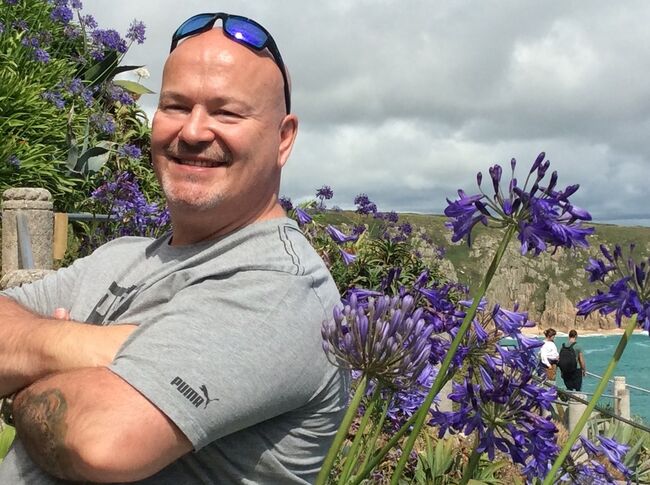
pixel 197 127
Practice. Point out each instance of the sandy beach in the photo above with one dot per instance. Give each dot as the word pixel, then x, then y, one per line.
pixel 538 331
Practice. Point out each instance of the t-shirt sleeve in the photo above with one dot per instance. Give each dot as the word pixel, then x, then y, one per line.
pixel 225 354
pixel 53 291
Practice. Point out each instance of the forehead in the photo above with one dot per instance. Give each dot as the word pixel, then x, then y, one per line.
pixel 212 53
pixel 210 68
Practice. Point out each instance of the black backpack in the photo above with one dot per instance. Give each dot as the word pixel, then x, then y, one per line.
pixel 567 362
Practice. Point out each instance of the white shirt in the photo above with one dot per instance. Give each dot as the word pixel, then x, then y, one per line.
pixel 548 352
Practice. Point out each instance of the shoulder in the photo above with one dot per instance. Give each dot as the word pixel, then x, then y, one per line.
pixel 274 245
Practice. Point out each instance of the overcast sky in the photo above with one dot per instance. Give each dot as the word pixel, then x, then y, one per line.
pixel 407 100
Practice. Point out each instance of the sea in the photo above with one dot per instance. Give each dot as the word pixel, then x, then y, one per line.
pixel 634 366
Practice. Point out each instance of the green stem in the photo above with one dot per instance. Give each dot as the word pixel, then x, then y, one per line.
pixel 472 463
pixel 377 457
pixel 441 378
pixel 342 432
pixel 373 439
pixel 351 458
pixel 602 385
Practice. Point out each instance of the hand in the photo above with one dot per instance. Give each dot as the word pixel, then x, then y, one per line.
pixel 61 314
pixel 584 372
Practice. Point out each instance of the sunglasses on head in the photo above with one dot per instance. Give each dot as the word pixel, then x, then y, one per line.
pixel 239 29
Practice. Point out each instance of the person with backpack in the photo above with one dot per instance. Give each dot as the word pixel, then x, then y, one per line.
pixel 572 363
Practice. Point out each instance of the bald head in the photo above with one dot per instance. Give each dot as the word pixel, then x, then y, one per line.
pixel 253 76
pixel 220 136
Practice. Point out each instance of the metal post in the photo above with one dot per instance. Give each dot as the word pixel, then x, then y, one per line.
pixel 622 394
pixel 445 404
pixel 25 255
pixel 575 411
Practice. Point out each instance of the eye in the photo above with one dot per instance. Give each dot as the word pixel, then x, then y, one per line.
pixel 227 115
pixel 175 107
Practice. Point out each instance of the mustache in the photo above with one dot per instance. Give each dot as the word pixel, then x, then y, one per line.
pixel 179 149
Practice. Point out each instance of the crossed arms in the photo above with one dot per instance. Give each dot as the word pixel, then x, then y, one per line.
pixel 77 419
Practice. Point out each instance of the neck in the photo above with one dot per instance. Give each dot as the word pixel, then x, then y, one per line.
pixel 191 227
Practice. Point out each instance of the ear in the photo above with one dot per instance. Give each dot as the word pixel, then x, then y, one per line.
pixel 288 133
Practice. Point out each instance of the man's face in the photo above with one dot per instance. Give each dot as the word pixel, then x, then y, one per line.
pixel 219 136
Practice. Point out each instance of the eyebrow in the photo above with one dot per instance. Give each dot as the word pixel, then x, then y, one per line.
pixel 176 96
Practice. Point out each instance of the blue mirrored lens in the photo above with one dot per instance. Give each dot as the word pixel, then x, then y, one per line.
pixel 246 32
pixel 193 24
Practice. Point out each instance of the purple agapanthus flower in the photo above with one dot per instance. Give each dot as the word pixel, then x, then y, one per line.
pixel 136 32
pixel 286 203
pixel 14 161
pixel 384 337
pixel 89 21
pixel 338 236
pixel 109 39
pixel 119 94
pixel 105 123
pixel 348 258
pixel 122 197
pixel 364 205
pixel 543 216
pixel 55 98
pixel 325 192
pixel 130 151
pixel 20 25
pixel 628 293
pixel 302 216
pixel 41 55
pixel 61 13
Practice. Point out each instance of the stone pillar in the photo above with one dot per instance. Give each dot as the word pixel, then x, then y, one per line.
pixel 445 404
pixel 575 412
pixel 36 205
pixel 621 397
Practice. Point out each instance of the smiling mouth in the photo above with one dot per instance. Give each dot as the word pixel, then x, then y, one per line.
pixel 199 163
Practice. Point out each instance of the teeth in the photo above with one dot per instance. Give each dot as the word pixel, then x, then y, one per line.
pixel 198 163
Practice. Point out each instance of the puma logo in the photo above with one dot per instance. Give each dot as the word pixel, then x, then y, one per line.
pixel 204 390
pixel 190 394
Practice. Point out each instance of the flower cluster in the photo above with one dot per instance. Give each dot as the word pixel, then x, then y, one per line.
pixel 14 161
pixel 125 203
pixel 601 462
pixel 384 337
pixel 542 215
pixel 323 194
pixel 129 151
pixel 364 205
pixel 628 294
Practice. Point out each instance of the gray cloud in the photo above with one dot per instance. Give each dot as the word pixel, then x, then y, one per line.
pixel 406 101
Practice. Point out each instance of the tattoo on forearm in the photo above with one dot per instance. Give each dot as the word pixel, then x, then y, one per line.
pixel 40 419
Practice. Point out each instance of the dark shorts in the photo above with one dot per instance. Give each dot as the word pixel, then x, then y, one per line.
pixel 573 381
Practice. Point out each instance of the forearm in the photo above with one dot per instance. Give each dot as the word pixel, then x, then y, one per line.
pixel 89 425
pixel 583 366
pixel 32 346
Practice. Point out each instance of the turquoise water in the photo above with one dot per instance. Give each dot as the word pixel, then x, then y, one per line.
pixel 635 366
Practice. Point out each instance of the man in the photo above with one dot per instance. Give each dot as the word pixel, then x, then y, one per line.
pixel 572 363
pixel 204 363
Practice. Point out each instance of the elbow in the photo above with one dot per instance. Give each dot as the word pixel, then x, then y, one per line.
pixel 100 462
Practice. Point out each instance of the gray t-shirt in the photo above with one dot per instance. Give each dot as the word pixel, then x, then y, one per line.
pixel 228 347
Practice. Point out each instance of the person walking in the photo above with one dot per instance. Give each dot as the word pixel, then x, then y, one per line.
pixel 572 363
pixel 548 354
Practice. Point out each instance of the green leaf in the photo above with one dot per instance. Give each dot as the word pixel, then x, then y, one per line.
pixel 133 87
pixel 102 70
pixel 93 159
pixel 121 69
pixel 6 438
